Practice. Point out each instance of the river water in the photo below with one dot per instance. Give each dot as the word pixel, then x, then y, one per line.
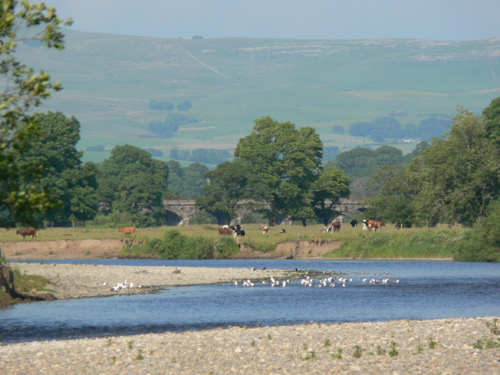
pixel 426 290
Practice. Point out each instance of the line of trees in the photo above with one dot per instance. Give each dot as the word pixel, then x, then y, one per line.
pixel 453 181
pixel 388 127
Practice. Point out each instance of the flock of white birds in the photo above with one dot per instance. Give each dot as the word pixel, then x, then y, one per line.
pixel 319 283
pixel 120 286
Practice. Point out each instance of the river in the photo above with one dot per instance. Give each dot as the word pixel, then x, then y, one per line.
pixel 412 290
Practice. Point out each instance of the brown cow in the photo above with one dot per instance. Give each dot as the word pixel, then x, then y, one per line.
pixel 225 232
pixel 27 232
pixel 127 230
pixel 375 224
pixel 265 229
pixel 336 226
pixel 333 227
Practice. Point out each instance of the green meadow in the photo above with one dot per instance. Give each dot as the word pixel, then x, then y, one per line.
pixel 391 243
pixel 108 81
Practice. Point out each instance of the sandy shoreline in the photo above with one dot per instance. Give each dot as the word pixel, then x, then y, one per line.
pixel 82 280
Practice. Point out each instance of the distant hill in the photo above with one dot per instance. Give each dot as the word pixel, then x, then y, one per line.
pixel 110 82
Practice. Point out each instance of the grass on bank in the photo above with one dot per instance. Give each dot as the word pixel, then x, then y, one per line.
pixel 203 241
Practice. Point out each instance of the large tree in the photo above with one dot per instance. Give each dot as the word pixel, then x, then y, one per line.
pixel 63 177
pixel 492 120
pixel 394 196
pixel 459 175
pixel 285 161
pixel 132 181
pixel 23 90
pixel 331 185
pixel 228 184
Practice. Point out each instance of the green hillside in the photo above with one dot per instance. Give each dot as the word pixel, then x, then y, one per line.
pixel 109 80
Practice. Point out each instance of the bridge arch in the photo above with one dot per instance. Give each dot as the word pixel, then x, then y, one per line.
pixel 185 210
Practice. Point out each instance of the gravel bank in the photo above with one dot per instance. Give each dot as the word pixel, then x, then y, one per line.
pixel 80 280
pixel 442 346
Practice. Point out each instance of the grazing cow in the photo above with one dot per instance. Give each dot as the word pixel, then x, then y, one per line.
pixel 282 231
pixel 375 224
pixel 365 224
pixel 265 229
pixel 127 230
pixel 239 232
pixel 224 232
pixel 27 232
pixel 336 226
pixel 333 227
pixel 353 222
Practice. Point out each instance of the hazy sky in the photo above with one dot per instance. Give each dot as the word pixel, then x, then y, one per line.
pixel 329 19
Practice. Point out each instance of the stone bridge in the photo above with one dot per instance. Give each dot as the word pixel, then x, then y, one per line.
pixel 180 212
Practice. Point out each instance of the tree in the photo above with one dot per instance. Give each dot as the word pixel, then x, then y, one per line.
pixel 356 162
pixel 330 187
pixel 482 242
pixel 228 184
pixel 63 177
pixel 394 196
pixel 284 161
pixel 132 181
pixel 492 120
pixel 23 90
pixel 460 175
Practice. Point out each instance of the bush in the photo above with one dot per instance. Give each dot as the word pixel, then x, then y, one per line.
pixel 174 245
pixel 225 246
pixel 482 242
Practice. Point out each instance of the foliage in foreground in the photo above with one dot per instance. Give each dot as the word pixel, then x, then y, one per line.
pixel 482 243
pixel 175 245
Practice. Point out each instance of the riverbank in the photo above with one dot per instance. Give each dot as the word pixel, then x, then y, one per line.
pixel 446 346
pixel 82 281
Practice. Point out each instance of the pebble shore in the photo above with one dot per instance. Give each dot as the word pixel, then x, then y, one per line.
pixel 442 346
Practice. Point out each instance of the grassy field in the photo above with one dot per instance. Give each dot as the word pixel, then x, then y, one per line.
pixel 391 243
pixel 108 81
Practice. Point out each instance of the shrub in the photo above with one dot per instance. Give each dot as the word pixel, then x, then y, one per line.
pixel 226 246
pixel 482 243
pixel 174 245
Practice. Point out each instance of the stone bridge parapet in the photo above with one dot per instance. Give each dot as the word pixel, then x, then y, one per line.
pixel 185 209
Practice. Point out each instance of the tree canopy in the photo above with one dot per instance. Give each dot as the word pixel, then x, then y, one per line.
pixel 63 177
pixel 453 181
pixel 132 181
pixel 285 161
pixel 23 90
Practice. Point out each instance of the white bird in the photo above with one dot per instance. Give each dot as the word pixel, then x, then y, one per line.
pixel 104 284
pixel 131 285
pixel 236 283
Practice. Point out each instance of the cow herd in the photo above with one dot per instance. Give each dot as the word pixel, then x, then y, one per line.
pixel 367 225
pixel 32 232
pixel 232 230
pixel 238 231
